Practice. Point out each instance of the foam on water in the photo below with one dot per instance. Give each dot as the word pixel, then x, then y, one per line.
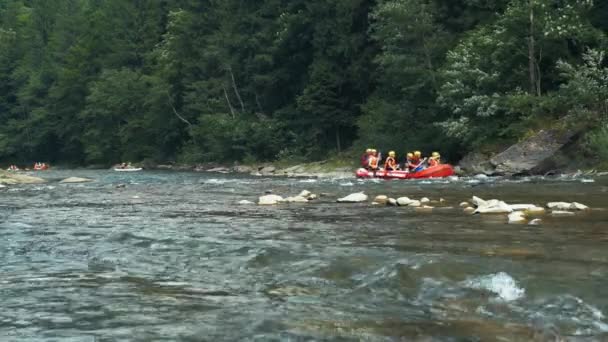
pixel 500 283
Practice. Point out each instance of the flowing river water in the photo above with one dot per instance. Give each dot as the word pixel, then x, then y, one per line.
pixel 171 256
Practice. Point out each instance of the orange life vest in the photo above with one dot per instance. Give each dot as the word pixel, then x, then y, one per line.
pixel 373 162
pixel 390 164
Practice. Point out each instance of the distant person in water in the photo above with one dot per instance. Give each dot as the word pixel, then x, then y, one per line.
pixel 435 159
pixel 391 162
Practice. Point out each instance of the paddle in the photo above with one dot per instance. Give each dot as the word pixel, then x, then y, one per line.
pixel 417 168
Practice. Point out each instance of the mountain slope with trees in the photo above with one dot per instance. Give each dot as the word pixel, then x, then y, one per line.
pixel 87 81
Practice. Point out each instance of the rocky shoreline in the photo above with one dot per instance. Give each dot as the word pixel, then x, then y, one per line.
pixel 309 170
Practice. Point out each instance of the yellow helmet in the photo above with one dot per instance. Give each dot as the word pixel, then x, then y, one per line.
pixel 418 153
pixel 410 155
pixel 435 155
pixel 391 153
pixel 374 151
pixel 369 150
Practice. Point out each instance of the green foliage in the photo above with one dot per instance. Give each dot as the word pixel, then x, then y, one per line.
pixel 596 142
pixel 205 80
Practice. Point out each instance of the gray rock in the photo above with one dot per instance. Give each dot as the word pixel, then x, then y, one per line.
pixel 559 205
pixel 296 199
pixel 72 180
pixel 527 156
pixel 517 217
pixel 353 198
pixel 392 202
pixel 381 199
pixel 270 200
pixel 476 163
pixel 14 178
pixel 242 169
pixel 268 170
pixel 219 170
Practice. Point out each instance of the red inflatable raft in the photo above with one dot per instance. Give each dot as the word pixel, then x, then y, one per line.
pixel 439 171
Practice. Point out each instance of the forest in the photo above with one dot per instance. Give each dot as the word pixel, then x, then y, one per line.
pixel 103 81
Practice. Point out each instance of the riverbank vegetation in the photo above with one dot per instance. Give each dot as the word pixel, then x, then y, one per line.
pixel 86 81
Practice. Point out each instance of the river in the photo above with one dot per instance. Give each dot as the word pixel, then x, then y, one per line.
pixel 170 256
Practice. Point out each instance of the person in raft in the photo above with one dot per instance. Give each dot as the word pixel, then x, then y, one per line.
pixel 365 157
pixel 372 161
pixel 414 163
pixel 435 159
pixel 391 162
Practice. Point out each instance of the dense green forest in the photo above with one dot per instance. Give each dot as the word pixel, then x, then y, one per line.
pixel 100 81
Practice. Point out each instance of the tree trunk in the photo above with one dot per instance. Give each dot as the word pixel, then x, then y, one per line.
pixel 236 90
pixel 531 52
pixel 338 144
pixel 229 104
pixel 181 118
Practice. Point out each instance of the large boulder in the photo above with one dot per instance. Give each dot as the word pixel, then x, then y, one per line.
pixel 353 198
pixel 527 156
pixel 15 178
pixel 476 163
pixel 71 180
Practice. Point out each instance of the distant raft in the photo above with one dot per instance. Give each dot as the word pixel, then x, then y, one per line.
pixel 132 169
pixel 439 171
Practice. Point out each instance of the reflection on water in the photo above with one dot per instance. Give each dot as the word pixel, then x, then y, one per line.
pixel 171 256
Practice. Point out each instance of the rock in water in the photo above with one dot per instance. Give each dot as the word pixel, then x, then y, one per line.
pixel 245 202
pixel 415 204
pixel 517 217
pixel 535 211
pixel 353 198
pixel 478 202
pixel 494 207
pixel 561 213
pixel 519 207
pixel 464 204
pixel 76 180
pixel 392 202
pixel 296 199
pixel 305 194
pixel 424 209
pixel 425 200
pixel 270 200
pixel 404 201
pixel 578 206
pixel 469 210
pixel 13 178
pixel 528 156
pixel 382 199
pixel 535 222
pixel 559 205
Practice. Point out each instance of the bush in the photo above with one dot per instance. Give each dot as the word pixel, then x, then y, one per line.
pixel 597 143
